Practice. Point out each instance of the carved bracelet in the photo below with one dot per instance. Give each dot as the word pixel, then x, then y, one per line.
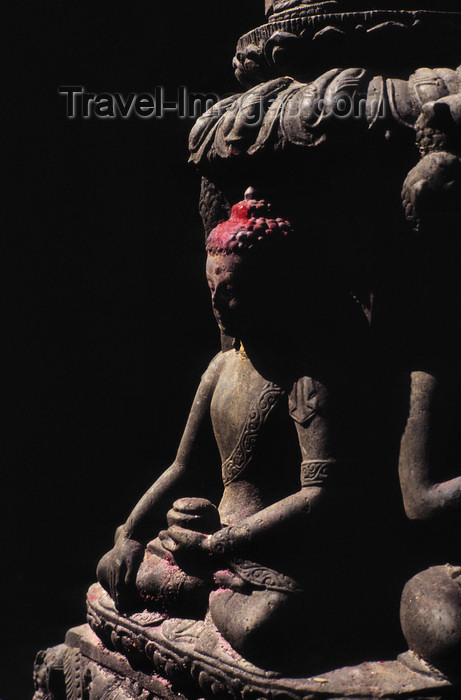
pixel 315 472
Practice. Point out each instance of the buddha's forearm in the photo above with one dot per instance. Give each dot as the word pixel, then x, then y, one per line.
pixel 284 516
pixel 424 498
pixel 149 513
pixel 449 491
pixel 444 496
pixel 424 494
pixel 182 478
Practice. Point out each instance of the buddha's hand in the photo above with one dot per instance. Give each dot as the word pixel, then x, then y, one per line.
pixel 197 514
pixel 117 570
pixel 191 521
pixel 186 543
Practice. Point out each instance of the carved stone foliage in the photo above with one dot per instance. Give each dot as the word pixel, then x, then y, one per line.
pixel 302 40
pixel 339 104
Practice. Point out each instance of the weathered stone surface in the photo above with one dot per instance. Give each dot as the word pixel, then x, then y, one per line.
pixel 99 671
pixel 275 569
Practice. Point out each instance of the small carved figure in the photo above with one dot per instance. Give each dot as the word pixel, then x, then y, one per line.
pixel 429 462
pixel 431 487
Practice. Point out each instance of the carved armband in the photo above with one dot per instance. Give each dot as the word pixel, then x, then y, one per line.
pixel 227 541
pixel 316 472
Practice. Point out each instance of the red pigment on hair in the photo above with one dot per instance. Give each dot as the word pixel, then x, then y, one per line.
pixel 249 226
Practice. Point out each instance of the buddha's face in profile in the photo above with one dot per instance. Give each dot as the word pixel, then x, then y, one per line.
pixel 232 294
pixel 246 259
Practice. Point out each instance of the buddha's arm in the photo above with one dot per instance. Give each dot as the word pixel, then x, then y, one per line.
pixel 274 522
pixel 294 512
pixel 284 517
pixel 423 495
pixel 118 567
pixel 184 476
pixel 268 525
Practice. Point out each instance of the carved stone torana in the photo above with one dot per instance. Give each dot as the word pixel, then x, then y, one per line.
pixel 331 203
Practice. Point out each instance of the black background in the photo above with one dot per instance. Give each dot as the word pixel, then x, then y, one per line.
pixel 108 322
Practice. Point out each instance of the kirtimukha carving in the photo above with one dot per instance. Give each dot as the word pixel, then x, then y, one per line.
pixel 318 476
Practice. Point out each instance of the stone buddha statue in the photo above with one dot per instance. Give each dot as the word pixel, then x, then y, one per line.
pixel 268 561
pixel 429 464
pixel 247 563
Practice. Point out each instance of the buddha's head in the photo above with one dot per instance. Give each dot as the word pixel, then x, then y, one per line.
pixel 245 258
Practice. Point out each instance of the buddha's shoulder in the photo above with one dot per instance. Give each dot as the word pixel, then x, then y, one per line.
pixel 219 363
pixel 231 362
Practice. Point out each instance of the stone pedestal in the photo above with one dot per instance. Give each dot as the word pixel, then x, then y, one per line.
pixel 147 656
